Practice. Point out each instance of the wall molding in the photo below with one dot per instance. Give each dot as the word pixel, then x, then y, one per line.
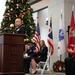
pixel 36 1
pixel 40 9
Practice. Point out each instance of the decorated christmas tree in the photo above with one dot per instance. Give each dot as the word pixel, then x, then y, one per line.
pixel 18 9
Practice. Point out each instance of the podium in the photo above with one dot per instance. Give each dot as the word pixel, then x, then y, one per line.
pixel 11 54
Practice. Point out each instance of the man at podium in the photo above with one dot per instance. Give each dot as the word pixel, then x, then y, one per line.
pixel 19 28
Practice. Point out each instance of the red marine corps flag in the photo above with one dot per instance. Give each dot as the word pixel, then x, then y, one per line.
pixel 71 37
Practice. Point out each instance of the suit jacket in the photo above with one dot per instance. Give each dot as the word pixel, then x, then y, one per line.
pixel 30 50
pixel 31 53
pixel 20 30
pixel 43 52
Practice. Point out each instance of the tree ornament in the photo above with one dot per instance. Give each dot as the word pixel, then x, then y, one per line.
pixel 24 9
pixel 9 18
pixel 28 12
pixel 12 1
pixel 21 11
pixel 7 14
pixel 11 25
pixel 7 7
pixel 3 23
pixel 17 5
pixel 32 27
pixel 28 2
pixel 11 9
pixel 22 16
pixel 28 8
pixel 8 10
pixel 16 15
pixel 32 31
pixel 8 0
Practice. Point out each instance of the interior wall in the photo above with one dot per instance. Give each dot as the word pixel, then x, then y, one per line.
pixel 39 5
pixel 43 15
pixel 35 15
pixel 2 8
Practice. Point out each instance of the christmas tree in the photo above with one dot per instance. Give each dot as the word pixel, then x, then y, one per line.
pixel 18 9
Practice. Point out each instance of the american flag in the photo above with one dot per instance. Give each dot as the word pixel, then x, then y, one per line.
pixel 50 37
pixel 36 37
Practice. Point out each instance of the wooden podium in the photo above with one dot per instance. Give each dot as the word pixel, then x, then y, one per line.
pixel 11 54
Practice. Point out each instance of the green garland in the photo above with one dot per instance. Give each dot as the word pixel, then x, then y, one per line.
pixel 59 66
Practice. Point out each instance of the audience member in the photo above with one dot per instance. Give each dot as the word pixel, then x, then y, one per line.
pixel 69 61
pixel 42 56
pixel 28 55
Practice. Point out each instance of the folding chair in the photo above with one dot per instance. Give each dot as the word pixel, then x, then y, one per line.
pixel 46 65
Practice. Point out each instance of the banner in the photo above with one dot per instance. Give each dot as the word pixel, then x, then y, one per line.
pixel 61 42
pixel 50 38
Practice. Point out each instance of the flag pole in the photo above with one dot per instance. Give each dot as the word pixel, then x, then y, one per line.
pixel 61 54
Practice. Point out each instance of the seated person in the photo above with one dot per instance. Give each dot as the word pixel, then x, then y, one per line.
pixel 69 61
pixel 42 56
pixel 28 55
